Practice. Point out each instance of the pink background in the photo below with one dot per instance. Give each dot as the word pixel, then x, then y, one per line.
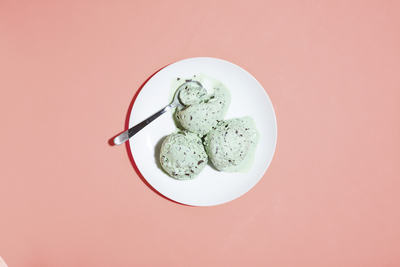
pixel 69 71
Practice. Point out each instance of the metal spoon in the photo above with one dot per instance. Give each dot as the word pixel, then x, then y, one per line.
pixel 123 137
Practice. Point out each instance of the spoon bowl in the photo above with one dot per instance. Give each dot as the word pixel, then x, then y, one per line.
pixel 123 137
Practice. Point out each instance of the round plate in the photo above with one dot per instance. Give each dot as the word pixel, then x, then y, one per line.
pixel 211 187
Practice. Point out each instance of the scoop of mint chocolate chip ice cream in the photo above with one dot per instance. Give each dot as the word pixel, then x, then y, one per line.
pixel 232 143
pixel 203 108
pixel 182 155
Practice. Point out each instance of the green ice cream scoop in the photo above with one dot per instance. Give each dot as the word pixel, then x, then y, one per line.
pixel 203 109
pixel 182 155
pixel 231 145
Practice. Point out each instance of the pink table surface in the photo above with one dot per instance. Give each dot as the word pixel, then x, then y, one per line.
pixel 70 70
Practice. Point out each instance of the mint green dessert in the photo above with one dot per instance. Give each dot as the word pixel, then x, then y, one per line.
pixel 204 107
pixel 231 144
pixel 192 94
pixel 183 155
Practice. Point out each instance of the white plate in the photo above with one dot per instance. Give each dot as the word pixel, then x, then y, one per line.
pixel 211 187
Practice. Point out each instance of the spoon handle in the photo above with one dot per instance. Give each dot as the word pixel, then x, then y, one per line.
pixel 123 137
